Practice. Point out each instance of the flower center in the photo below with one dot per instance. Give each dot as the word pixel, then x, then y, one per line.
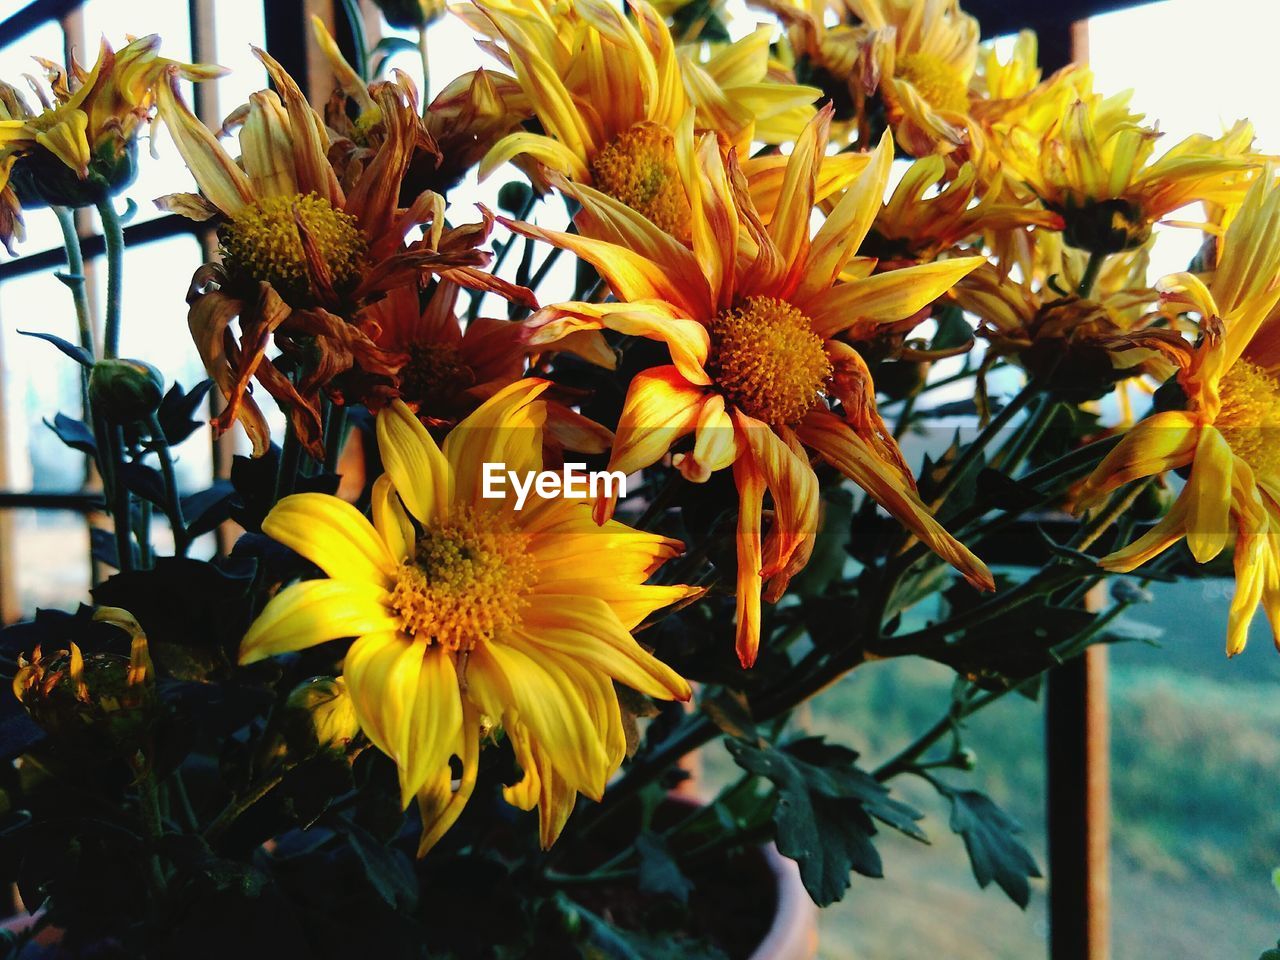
pixel 937 81
pixel 434 377
pixel 264 243
pixel 767 360
pixel 638 168
pixel 469 579
pixel 1250 401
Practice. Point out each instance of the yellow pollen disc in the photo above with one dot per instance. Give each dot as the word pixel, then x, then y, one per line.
pixel 941 86
pixel 435 376
pixel 766 359
pixel 264 243
pixel 1248 416
pixel 469 580
pixel 638 168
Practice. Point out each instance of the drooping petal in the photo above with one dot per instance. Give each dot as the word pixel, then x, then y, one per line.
pixel 715 445
pixel 751 486
pixel 1163 441
pixel 333 535
pixel 316 611
pixel 220 179
pixel 439 803
pixel 1208 493
pixel 661 407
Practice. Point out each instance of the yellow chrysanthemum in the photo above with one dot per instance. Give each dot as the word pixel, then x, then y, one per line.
pixel 609 91
pixel 1090 159
pixel 465 608
pixel 1224 435
pixel 87 128
pixel 754 316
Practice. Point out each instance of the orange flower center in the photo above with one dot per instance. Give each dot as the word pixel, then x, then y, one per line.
pixel 265 243
pixel 1248 415
pixel 469 580
pixel 939 83
pixel 434 378
pixel 638 168
pixel 766 359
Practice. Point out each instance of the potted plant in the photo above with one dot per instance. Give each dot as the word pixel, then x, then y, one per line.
pixel 424 674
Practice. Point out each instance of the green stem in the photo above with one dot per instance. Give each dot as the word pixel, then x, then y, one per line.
pixel 238 806
pixel 290 456
pixel 113 234
pixel 1091 271
pixel 74 277
pixel 1013 453
pixel 335 433
pixel 120 502
pixel 352 9
pixel 181 541
pixel 983 439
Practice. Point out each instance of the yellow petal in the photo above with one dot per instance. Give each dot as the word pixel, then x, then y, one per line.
pixel 750 482
pixel 660 408
pixel 316 611
pixel 333 535
pixel 390 519
pixel 439 803
pixel 585 628
pixel 1208 493
pixel 414 463
pixel 220 179
pixel 885 297
pixel 1163 441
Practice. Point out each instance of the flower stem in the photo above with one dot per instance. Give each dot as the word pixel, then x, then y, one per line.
pixel 173 509
pixel 74 277
pixel 120 502
pixel 335 432
pixel 354 19
pixel 113 234
pixel 1091 271
pixel 238 806
pixel 290 455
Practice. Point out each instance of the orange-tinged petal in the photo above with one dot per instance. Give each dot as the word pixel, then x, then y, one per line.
pixel 751 486
pixel 885 297
pixel 1169 530
pixel 793 486
pixel 837 443
pixel 333 535
pixel 1163 441
pixel 716 444
pixel 661 407
pixel 555 155
pixel 316 611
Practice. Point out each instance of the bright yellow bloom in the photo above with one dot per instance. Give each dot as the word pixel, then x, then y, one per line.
pixel 470 613
pixel 1224 434
pixel 610 90
pixel 87 127
pixel 753 316
pixel 1090 159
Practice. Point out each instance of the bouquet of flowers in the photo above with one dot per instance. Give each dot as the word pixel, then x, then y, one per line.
pixel 532 530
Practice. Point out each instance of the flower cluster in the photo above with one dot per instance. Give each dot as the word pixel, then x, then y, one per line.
pixel 782 236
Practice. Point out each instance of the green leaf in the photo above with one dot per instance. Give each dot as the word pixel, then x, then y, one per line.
pixel 608 940
pixel 389 871
pixel 991 839
pixel 77 353
pixel 823 811
pixel 659 872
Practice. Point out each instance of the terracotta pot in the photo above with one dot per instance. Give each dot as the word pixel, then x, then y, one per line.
pixel 793 935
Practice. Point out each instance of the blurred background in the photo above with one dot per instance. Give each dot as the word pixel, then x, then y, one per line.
pixel 1195 740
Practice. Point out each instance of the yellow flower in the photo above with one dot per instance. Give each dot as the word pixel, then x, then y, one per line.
pixel 931 212
pixel 1091 160
pixel 1076 347
pixel 753 316
pixel 301 254
pixel 1223 435
pixel 916 56
pixel 609 92
pixel 82 144
pixel 469 612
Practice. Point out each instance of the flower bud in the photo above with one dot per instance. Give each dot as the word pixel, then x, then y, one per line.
pixel 321 716
pixel 123 391
pixel 410 14
pixel 40 178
